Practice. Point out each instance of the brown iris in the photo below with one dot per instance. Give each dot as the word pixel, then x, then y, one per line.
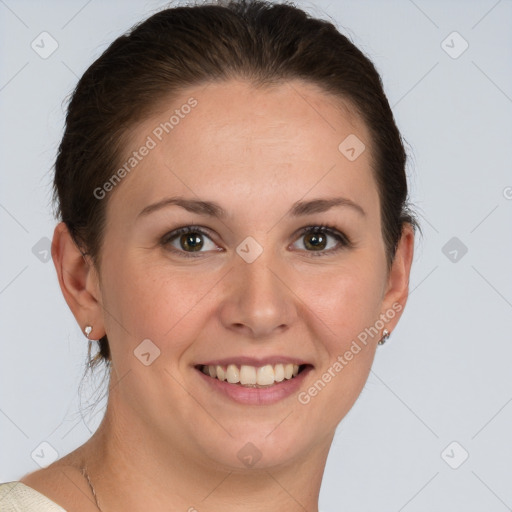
pixel 316 241
pixel 191 241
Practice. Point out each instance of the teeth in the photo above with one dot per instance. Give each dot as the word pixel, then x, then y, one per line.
pixel 252 376
pixel 265 375
pixel 232 374
pixel 278 372
pixel 248 375
pixel 221 374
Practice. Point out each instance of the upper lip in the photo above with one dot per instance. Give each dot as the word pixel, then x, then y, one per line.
pixel 253 361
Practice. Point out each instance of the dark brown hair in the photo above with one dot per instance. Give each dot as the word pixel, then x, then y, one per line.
pixel 258 41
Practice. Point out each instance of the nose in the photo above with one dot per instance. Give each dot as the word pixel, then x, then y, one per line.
pixel 258 301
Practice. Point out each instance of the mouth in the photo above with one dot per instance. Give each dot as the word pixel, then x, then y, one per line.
pixel 248 376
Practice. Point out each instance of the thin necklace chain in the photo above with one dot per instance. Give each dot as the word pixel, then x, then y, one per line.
pixel 84 472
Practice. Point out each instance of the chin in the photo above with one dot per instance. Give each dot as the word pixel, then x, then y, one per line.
pixel 262 445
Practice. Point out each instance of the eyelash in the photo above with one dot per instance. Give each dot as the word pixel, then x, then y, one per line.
pixel 343 240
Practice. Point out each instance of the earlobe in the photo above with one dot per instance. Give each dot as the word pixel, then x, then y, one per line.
pixel 77 279
pixel 397 290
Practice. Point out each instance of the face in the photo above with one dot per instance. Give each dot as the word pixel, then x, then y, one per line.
pixel 252 284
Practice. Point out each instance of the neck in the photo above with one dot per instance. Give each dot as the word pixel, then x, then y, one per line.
pixel 132 469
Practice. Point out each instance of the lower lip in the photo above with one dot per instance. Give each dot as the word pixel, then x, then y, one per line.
pixel 257 396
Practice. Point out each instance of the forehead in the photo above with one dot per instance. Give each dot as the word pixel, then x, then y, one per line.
pixel 230 140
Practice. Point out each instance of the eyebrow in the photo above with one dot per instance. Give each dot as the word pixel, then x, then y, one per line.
pixel 212 209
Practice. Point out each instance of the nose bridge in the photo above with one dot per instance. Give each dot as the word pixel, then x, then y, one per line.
pixel 258 300
pixel 260 278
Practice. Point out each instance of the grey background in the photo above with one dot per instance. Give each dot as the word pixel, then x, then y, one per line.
pixel 443 377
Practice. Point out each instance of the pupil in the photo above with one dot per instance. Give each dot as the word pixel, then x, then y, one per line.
pixel 191 241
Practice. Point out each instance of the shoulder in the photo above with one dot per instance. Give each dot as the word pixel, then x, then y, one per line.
pixel 61 485
pixel 18 497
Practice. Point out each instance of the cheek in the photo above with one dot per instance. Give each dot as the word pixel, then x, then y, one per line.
pixel 349 311
pixel 347 300
pixel 348 305
pixel 147 300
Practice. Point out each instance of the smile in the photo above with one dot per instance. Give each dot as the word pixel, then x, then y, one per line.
pixel 253 376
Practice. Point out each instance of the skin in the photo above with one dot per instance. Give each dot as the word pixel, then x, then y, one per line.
pixel 168 442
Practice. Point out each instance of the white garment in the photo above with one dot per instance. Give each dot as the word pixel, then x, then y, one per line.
pixel 18 497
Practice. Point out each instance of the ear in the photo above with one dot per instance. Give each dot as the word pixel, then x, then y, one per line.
pixel 397 287
pixel 78 281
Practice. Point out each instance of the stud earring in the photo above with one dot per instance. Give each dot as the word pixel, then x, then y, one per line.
pixel 385 337
pixel 88 330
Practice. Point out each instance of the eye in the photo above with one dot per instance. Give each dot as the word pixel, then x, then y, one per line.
pixel 188 240
pixel 316 240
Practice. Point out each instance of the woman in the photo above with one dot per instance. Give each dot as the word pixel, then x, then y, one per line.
pixel 235 235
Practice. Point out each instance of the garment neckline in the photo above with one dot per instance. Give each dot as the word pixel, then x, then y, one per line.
pixel 16 483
